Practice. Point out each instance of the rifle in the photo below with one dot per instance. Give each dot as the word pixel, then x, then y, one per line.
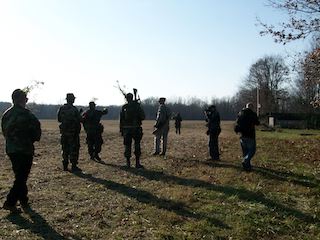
pixel 135 93
pixel 136 97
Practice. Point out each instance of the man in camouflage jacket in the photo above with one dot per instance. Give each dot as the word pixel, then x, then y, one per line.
pixel 131 117
pixel 70 126
pixel 94 129
pixel 161 127
pixel 20 129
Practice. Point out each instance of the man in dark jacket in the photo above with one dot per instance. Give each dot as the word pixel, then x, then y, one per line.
pixel 94 129
pixel 213 124
pixel 177 123
pixel 245 125
pixel 131 118
pixel 20 129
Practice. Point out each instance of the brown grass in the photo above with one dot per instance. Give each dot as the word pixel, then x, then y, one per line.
pixel 183 196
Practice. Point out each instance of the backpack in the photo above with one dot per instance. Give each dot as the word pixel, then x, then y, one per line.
pixel 240 124
pixel 131 114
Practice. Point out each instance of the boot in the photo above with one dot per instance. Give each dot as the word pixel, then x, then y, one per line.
pixel 128 162
pixel 65 166
pixel 97 157
pixel 25 206
pixel 138 165
pixel 12 208
pixel 75 168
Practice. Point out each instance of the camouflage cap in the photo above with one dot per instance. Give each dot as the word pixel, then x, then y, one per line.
pixel 129 96
pixel 162 99
pixel 70 96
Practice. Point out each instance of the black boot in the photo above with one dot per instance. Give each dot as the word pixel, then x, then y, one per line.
pixel 75 168
pixel 138 165
pixel 65 166
pixel 12 208
pixel 97 157
pixel 128 162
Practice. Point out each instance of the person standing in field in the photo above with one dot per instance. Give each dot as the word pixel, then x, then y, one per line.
pixel 214 129
pixel 245 125
pixel 177 123
pixel 70 126
pixel 131 118
pixel 161 127
pixel 94 129
pixel 20 129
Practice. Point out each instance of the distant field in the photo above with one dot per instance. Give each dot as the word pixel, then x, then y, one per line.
pixel 184 196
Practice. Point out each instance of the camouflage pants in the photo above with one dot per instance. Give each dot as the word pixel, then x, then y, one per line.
pixel 94 142
pixel 161 134
pixel 70 148
pixel 136 135
pixel 21 166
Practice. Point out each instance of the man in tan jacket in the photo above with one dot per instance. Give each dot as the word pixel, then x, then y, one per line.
pixel 161 128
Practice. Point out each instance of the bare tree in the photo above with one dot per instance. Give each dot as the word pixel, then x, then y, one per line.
pixel 245 95
pixel 269 75
pixel 303 20
pixel 302 95
pixel 306 94
pixel 311 69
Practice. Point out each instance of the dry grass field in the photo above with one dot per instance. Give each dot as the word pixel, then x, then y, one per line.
pixel 182 196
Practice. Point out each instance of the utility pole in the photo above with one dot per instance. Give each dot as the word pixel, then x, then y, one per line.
pixel 258 102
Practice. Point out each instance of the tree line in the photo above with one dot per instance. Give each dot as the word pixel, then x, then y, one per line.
pixel 190 109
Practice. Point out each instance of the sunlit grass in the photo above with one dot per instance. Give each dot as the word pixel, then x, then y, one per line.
pixel 184 196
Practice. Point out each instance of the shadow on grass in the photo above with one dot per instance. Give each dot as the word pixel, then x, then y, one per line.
pixel 146 197
pixel 37 225
pixel 241 193
pixel 297 179
pixel 272 174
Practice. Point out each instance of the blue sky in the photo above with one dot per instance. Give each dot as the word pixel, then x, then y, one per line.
pixel 170 48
